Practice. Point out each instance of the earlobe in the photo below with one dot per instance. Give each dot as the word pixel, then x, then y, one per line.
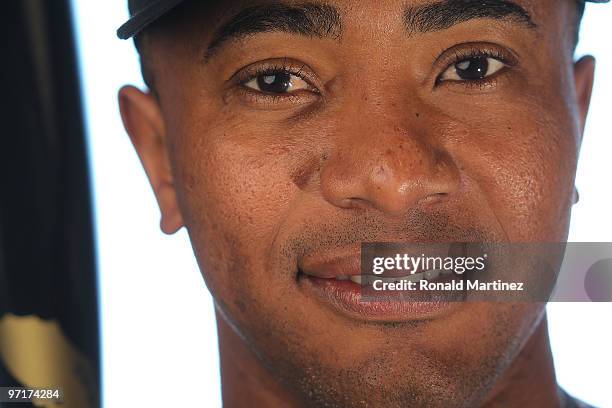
pixel 584 74
pixel 144 123
pixel 576 196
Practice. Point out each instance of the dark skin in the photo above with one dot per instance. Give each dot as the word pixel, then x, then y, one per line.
pixel 377 139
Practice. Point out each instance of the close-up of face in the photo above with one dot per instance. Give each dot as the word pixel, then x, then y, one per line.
pixel 283 135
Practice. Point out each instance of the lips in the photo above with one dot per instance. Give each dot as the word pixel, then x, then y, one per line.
pixel 336 280
pixel 428 275
pixel 341 265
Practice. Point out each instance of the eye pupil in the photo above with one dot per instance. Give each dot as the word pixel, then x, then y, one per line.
pixel 275 83
pixel 473 68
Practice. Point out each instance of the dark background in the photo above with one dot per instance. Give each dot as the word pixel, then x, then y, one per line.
pixel 47 266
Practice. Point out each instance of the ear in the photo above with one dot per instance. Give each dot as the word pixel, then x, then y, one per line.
pixel 584 74
pixel 144 123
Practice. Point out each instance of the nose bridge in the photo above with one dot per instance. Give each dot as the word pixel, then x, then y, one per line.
pixel 377 162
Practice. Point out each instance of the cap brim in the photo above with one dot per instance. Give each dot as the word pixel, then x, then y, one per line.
pixel 145 17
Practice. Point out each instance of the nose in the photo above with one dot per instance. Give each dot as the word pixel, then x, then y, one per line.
pixel 390 171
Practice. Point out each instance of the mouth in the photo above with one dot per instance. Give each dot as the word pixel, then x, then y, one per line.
pixel 337 282
pixel 430 275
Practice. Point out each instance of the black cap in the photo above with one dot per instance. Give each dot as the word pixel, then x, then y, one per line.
pixel 145 12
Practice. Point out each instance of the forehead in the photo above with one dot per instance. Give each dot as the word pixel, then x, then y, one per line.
pixel 198 30
pixel 211 14
pixel 201 18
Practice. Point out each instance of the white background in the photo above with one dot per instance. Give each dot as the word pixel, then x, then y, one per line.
pixel 159 345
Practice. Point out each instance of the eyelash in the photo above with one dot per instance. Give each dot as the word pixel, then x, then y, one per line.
pixel 283 66
pixel 455 56
pixel 450 57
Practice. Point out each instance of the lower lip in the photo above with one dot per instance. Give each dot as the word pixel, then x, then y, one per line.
pixel 348 298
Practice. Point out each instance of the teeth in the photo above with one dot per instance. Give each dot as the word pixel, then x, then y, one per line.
pixel 414 278
pixel 427 275
pixel 356 279
pixel 396 279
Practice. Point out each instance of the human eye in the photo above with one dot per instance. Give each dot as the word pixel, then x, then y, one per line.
pixel 474 65
pixel 277 82
pixel 278 79
pixel 472 69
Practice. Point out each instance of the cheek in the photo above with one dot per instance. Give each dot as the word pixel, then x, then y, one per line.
pixel 235 191
pixel 523 162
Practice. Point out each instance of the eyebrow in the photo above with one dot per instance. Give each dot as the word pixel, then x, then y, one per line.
pixel 324 21
pixel 445 14
pixel 308 19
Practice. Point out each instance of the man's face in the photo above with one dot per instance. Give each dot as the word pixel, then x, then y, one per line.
pixel 285 142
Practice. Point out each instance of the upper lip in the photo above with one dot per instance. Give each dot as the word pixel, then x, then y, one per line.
pixel 328 265
pixel 343 262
